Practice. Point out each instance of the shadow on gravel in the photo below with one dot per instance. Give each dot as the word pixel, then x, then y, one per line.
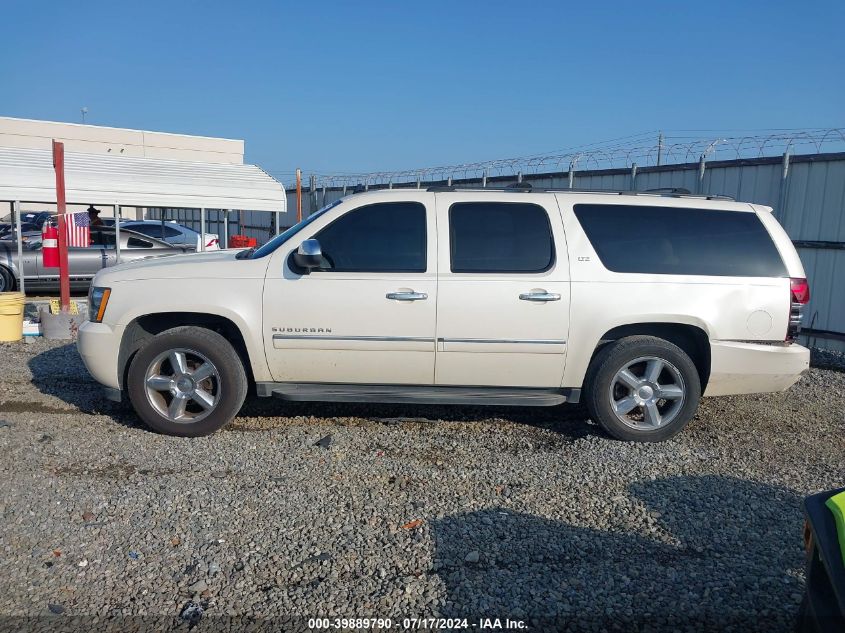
pixel 719 554
pixel 569 420
pixel 59 372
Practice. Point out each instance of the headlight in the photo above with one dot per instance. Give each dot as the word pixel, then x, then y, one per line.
pixel 98 298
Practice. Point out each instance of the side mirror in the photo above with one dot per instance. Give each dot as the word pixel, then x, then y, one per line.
pixel 309 255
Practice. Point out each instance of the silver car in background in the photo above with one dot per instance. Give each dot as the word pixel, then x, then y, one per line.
pixel 84 262
pixel 170 232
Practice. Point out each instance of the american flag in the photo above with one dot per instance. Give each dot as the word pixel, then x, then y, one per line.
pixel 78 227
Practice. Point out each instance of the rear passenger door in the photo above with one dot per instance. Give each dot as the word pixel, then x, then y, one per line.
pixel 503 290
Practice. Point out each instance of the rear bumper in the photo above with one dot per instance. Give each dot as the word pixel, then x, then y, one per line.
pixel 737 368
pixel 99 345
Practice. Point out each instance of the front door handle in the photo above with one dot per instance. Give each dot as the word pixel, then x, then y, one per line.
pixel 407 296
pixel 539 296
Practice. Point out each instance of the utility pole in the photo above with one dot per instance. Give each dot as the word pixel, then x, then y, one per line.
pixel 84 111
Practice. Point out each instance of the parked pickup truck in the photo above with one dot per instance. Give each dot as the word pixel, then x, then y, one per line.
pixel 635 304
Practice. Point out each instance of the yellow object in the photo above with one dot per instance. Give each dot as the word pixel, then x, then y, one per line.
pixel 56 308
pixel 11 316
pixel 836 504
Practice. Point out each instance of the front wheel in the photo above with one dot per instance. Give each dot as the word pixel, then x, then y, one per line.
pixel 187 381
pixel 642 389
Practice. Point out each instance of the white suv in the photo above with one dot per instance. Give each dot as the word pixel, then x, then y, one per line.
pixel 636 304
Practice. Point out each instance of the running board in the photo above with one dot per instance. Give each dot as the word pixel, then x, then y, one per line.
pixel 417 394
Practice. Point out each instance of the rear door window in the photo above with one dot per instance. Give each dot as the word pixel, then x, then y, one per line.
pixel 154 230
pixel 680 241
pixel 137 242
pixel 500 237
pixel 102 238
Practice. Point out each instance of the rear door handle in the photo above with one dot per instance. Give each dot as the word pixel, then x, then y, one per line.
pixel 407 296
pixel 539 296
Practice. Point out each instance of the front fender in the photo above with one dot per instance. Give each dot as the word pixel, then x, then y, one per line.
pixel 130 301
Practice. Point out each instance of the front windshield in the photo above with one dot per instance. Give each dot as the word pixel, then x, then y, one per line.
pixel 281 238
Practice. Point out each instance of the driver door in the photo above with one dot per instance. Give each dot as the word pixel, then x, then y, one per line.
pixel 367 316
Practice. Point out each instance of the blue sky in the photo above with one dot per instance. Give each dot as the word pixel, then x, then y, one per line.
pixel 361 86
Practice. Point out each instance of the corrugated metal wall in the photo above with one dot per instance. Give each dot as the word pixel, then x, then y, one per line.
pixel 808 198
pixel 814 210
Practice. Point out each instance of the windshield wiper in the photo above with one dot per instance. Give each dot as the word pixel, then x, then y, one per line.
pixel 245 254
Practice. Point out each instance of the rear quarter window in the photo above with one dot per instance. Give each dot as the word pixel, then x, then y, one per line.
pixel 679 241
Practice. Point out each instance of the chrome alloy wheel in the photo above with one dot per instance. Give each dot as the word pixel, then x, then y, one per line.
pixel 182 385
pixel 647 393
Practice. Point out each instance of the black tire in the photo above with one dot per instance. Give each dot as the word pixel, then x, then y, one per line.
pixel 228 386
pixel 604 389
pixel 7 280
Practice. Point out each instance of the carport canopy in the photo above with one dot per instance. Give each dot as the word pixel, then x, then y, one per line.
pixel 27 175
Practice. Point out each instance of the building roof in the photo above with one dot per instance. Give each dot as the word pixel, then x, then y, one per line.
pixel 27 175
pixel 96 139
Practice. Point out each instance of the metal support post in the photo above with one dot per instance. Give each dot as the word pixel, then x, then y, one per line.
pixel 519 177
pixel 61 206
pixel 660 139
pixel 278 222
pixel 702 165
pixel 117 233
pixel 16 208
pixel 572 164
pixel 780 212
pixel 202 229
pixel 418 181
pixel 633 176
pixel 484 179
pixel 225 235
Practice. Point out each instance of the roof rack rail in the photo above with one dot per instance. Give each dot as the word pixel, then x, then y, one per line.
pixel 670 190
pixel 520 186
pixel 524 187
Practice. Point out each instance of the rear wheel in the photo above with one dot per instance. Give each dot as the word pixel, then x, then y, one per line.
pixel 642 388
pixel 187 381
pixel 7 280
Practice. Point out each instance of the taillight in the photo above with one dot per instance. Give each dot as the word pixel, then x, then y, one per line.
pixel 799 292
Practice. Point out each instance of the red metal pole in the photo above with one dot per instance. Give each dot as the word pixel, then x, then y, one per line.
pixel 298 195
pixel 64 279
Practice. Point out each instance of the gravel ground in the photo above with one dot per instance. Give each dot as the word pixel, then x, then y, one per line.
pixel 404 511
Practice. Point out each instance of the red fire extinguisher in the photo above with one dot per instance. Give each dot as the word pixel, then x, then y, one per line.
pixel 49 246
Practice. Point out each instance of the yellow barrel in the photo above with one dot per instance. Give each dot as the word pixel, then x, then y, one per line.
pixel 11 316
